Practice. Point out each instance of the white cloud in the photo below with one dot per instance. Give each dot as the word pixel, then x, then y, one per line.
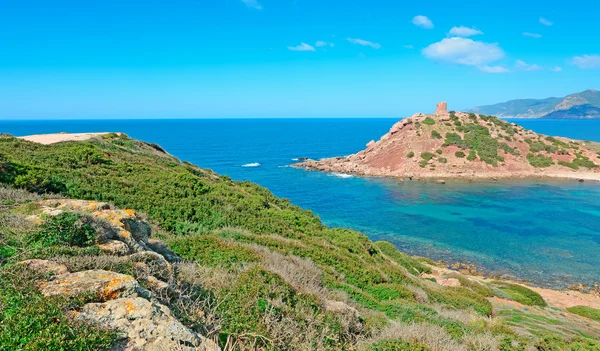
pixel 533 35
pixel 463 31
pixel 464 51
pixel 321 44
pixel 422 21
pixel 493 69
pixel 364 43
pixel 523 66
pixel 545 22
pixel 587 61
pixel 301 47
pixel 557 69
pixel 253 4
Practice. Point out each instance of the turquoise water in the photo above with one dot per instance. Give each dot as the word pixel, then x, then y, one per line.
pixel 544 231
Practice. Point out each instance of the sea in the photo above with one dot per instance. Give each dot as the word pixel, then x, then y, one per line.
pixel 546 232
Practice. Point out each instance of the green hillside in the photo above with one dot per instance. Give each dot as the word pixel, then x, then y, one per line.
pixel 259 272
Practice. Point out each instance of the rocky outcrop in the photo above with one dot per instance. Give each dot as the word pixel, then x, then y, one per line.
pixel 141 320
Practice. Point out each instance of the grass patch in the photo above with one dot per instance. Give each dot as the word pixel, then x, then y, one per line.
pixel 428 121
pixel 585 311
pixel 520 293
pixel 539 161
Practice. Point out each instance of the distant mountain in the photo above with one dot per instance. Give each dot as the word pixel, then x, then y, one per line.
pixel 583 105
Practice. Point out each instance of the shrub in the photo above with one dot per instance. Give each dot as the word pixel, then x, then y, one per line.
pixel 442 160
pixel 439 151
pixel 423 163
pixel 435 134
pixel 472 156
pixel 520 293
pixel 410 154
pixel 427 156
pixel 537 160
pixel 428 121
pixel 585 311
pixel 212 251
pixel 65 229
pixel 454 139
pixel 459 154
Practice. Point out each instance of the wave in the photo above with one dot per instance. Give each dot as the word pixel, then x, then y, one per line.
pixel 254 164
pixel 342 175
pixel 295 159
pixel 286 166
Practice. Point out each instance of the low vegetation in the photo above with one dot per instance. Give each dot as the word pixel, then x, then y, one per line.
pixel 258 272
pixel 589 312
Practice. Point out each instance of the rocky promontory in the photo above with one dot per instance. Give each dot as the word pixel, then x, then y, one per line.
pixel 449 144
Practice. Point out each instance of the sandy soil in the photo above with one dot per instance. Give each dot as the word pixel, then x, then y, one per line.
pixel 48 139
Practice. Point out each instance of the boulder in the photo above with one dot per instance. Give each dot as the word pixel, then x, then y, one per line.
pixel 109 285
pixel 143 325
pixel 114 247
pixel 44 267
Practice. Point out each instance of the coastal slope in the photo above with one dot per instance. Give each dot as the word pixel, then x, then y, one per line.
pixel 105 239
pixel 466 145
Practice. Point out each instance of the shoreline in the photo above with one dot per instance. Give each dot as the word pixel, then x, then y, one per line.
pixel 590 176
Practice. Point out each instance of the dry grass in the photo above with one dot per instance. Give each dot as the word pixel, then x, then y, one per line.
pixel 302 274
pixel 16 195
pixel 434 337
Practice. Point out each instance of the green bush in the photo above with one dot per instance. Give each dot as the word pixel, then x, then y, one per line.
pixel 537 160
pixel 435 134
pixel 438 151
pixel 212 251
pixel 427 156
pixel 410 154
pixel 520 294
pixel 65 229
pixel 454 139
pixel 459 154
pixel 585 311
pixel 428 121
pixel 472 155
pixel 442 160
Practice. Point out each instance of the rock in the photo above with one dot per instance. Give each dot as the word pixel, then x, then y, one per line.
pixel 143 325
pixel 44 266
pixel 160 247
pixel 140 230
pixel 114 247
pixel 581 180
pixel 441 108
pixel 109 285
pixel 441 181
pixel 370 144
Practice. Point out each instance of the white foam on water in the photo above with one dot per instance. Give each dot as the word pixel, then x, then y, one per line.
pixel 254 164
pixel 342 175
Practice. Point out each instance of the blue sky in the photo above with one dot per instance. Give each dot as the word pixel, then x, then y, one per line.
pixel 287 58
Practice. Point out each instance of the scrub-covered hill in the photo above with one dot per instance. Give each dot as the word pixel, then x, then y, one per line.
pixel 466 145
pixel 105 239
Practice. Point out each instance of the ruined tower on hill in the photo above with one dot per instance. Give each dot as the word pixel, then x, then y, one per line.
pixel 441 108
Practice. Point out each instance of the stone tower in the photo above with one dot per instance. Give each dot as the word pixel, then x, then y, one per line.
pixel 441 108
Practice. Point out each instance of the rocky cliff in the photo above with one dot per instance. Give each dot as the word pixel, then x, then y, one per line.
pixel 466 145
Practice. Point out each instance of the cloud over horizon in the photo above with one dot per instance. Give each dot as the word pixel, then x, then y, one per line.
pixel 466 52
pixel 463 31
pixel 422 21
pixel 586 61
pixel 362 42
pixel 301 47
pixel 253 4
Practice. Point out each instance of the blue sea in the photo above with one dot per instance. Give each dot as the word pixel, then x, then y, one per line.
pixel 547 232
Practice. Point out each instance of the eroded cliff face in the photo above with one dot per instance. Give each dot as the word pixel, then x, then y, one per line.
pixel 465 145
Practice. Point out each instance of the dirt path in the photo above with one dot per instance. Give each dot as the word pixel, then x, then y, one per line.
pixel 48 139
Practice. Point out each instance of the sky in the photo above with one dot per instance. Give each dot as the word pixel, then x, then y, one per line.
pixel 73 59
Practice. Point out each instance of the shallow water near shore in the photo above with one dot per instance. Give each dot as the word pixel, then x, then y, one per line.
pixel 545 231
